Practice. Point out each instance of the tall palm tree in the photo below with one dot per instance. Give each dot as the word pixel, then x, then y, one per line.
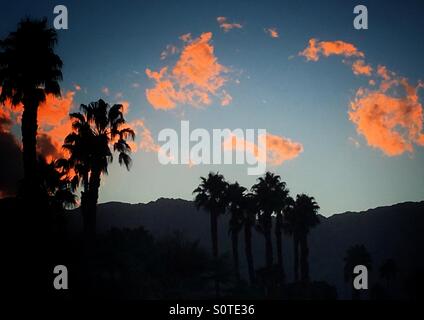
pixel 300 218
pixel 96 129
pixel 286 201
pixel 268 191
pixel 355 255
pixel 211 195
pixel 249 221
pixel 236 206
pixel 29 70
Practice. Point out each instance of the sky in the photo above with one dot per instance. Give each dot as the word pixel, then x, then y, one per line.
pixel 342 107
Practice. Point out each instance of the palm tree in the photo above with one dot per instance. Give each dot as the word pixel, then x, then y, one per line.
pixel 29 70
pixel 301 216
pixel 236 206
pixel 269 195
pixel 279 224
pixel 355 255
pixel 98 127
pixel 56 185
pixel 211 195
pixel 249 220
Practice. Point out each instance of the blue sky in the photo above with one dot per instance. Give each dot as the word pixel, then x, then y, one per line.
pixel 110 44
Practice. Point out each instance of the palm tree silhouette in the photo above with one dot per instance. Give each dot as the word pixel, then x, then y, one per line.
pixel 355 255
pixel 269 194
pixel 286 201
pixel 29 70
pixel 249 221
pixel 56 185
pixel 236 206
pixel 301 216
pixel 98 127
pixel 211 195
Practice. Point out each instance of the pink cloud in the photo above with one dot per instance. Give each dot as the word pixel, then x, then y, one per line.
pixel 227 26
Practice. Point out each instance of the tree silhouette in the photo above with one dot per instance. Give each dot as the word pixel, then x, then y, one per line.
pixel 249 221
pixel 286 201
pixel 29 70
pixel 236 206
pixel 95 130
pixel 211 195
pixel 269 194
pixel 56 185
pixel 301 217
pixel 355 255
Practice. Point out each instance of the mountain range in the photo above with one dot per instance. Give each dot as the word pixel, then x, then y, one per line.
pixel 389 232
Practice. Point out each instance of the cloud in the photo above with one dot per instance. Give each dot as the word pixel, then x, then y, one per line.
pixel 169 51
pixel 185 37
pixel 195 79
pixel 360 68
pixel 354 142
pixel 226 99
pixel 391 117
pixel 105 90
pixel 53 122
pixel 329 48
pixel 144 136
pixel 227 26
pixel 278 149
pixel 272 32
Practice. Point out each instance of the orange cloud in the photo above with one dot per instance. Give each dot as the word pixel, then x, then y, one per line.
pixel 195 79
pixel 226 26
pixel 143 134
pixel 278 149
pixel 273 32
pixel 384 73
pixel 389 122
pixel 53 122
pixel 360 68
pixel 328 48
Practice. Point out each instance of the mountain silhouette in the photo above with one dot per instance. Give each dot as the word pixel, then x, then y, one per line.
pixel 394 232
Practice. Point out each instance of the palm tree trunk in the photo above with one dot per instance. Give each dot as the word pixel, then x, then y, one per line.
pixel 279 240
pixel 296 257
pixel 214 235
pixel 268 241
pixel 234 240
pixel 92 198
pixel 248 250
pixel 304 252
pixel 268 248
pixel 29 143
